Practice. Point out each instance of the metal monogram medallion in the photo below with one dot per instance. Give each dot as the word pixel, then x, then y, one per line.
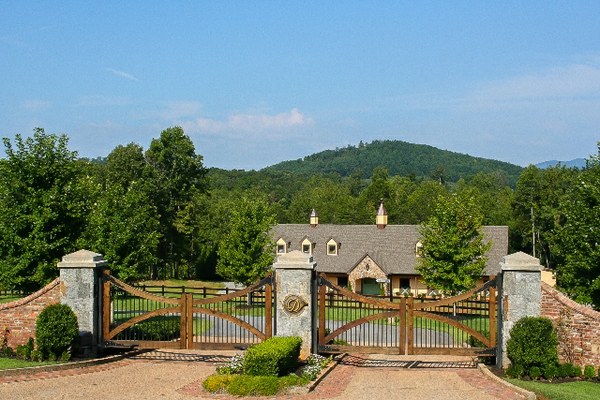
pixel 294 303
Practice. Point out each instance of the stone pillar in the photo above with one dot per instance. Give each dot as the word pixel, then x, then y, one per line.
pixel 520 295
pixel 294 273
pixel 80 275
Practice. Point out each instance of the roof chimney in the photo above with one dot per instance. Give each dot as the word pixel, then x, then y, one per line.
pixel 381 219
pixel 314 218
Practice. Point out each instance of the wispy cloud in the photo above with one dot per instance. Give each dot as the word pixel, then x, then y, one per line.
pixel 259 124
pixel 575 81
pixel 102 101
pixel 180 109
pixel 35 105
pixel 122 74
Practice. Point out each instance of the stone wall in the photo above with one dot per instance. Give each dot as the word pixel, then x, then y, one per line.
pixel 367 268
pixel 19 316
pixel 578 327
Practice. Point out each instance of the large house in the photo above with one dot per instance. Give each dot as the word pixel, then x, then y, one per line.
pixel 373 259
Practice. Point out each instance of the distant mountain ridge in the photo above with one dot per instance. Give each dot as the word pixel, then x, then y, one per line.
pixel 400 158
pixel 575 163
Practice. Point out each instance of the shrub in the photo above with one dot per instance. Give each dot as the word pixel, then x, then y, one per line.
pixel 589 372
pixel 575 371
pixel 56 330
pixel 564 370
pixel 23 351
pixel 159 329
pixel 514 371
pixel 533 343
pixel 243 385
pixel 535 373
pixel 275 356
pixel 550 372
pixel 217 383
pixel 235 366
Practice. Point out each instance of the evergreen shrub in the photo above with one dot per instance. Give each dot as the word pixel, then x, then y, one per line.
pixel 550 372
pixel 535 373
pixel 533 343
pixel 56 331
pixel 23 351
pixel 589 372
pixel 276 356
pixel 158 329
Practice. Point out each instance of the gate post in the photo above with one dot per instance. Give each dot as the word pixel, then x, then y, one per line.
pixel 81 289
pixel 294 273
pixel 520 295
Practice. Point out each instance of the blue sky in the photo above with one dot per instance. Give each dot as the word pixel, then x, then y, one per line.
pixel 258 82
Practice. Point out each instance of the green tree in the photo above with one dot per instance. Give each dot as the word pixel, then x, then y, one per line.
pixel 453 256
pixel 246 250
pixel 42 208
pixel 177 175
pixel 578 239
pixel 537 211
pixel 123 225
pixel 330 199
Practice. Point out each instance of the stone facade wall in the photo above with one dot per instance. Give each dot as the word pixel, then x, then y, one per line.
pixel 578 327
pixel 19 316
pixel 367 268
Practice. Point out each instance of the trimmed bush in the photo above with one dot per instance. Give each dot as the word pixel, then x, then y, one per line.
pixel 253 385
pixel 550 372
pixel 533 343
pixel 276 356
pixel 217 383
pixel 589 372
pixel 24 351
pixel 159 329
pixel 56 331
pixel 514 371
pixel 564 370
pixel 535 373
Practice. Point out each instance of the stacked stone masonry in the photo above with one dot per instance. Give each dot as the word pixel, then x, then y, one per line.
pixel 578 327
pixel 18 317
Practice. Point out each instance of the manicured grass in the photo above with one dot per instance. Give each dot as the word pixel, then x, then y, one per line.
pixel 11 363
pixel 9 298
pixel 184 283
pixel 561 391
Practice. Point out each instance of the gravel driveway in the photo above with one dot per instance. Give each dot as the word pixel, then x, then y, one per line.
pixel 174 374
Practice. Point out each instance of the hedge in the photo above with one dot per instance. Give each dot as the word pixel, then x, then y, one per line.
pixel 276 356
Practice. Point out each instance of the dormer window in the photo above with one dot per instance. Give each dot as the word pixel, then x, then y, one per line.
pixel 332 248
pixel 419 249
pixel 281 246
pixel 307 246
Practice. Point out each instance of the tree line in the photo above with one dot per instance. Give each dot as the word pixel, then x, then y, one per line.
pixel 160 213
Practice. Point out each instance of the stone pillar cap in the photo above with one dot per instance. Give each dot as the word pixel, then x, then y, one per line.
pixel 82 259
pixel 520 262
pixel 294 260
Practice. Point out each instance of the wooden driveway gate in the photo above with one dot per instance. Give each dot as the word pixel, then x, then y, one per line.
pixel 201 320
pixel 464 324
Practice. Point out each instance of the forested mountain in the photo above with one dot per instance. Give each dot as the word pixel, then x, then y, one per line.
pixel 575 163
pixel 399 158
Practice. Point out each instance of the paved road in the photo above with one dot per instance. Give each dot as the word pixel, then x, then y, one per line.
pixel 177 375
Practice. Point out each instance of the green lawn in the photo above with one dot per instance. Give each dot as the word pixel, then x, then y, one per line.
pixel 9 298
pixel 561 391
pixel 11 363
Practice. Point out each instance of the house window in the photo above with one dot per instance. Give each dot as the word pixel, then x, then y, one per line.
pixel 281 246
pixel 342 281
pixel 332 247
pixel 404 283
pixel 307 246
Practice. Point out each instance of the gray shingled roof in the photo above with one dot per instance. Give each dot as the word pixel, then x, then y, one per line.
pixel 392 248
